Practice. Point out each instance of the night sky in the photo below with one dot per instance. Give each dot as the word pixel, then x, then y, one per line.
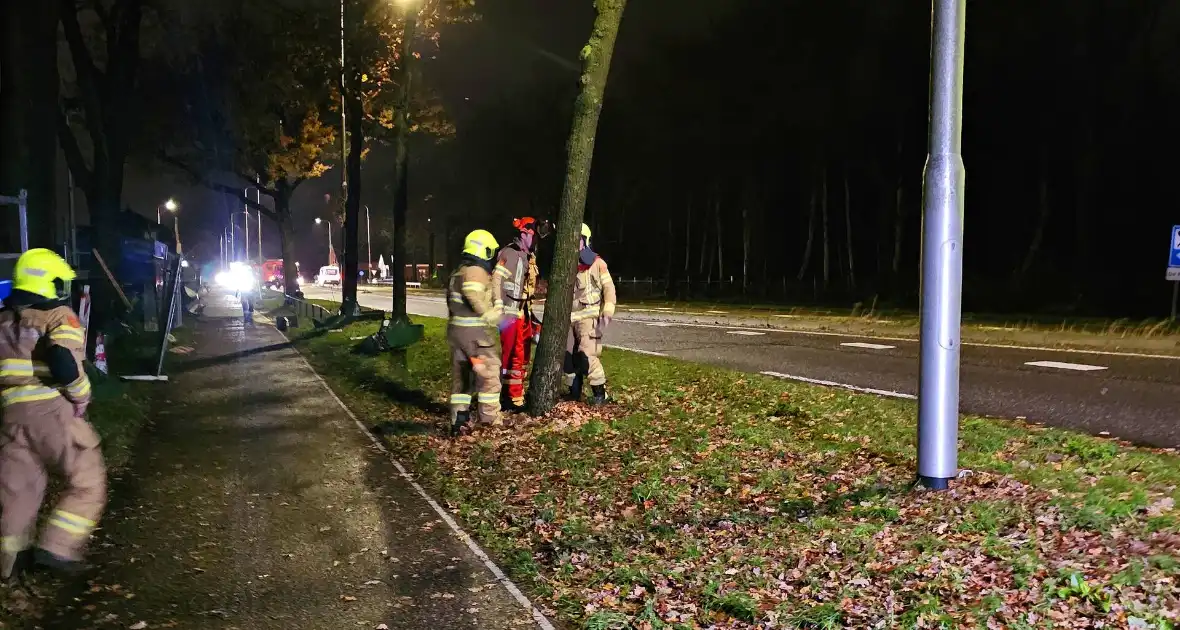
pixel 750 104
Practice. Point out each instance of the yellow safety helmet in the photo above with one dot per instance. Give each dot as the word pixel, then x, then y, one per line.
pixel 586 232
pixel 36 270
pixel 481 244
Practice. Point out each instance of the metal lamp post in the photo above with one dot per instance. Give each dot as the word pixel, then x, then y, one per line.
pixel 942 252
pixel 331 249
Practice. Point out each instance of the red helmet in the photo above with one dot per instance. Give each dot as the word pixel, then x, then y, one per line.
pixel 527 225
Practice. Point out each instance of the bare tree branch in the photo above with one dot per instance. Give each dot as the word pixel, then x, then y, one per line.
pixel 90 78
pixel 74 158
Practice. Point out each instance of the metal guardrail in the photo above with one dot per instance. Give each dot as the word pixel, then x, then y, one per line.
pixel 303 308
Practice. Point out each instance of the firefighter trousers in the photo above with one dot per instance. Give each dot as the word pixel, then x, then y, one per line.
pixel 37 438
pixel 516 343
pixel 584 346
pixel 475 367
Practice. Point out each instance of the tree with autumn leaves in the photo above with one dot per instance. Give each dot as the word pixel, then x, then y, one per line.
pixel 263 97
pixel 381 103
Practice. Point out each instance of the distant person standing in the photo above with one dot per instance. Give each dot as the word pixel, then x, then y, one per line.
pixel 474 355
pixel 593 308
pixel 247 298
pixel 44 392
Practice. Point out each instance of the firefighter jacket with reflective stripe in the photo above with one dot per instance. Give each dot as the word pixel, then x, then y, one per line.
pixel 594 292
pixel 468 297
pixel 514 282
pixel 35 341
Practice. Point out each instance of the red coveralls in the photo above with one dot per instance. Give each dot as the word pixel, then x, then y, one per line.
pixel 514 283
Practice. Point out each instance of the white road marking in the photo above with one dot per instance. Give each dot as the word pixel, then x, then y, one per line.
pixel 868 346
pixel 660 324
pixel 1001 346
pixel 1077 367
pixel 818 333
pixel 638 351
pixel 865 390
pixel 717 312
pixel 542 622
pixel 748 333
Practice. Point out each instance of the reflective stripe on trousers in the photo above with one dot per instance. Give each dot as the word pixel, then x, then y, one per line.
pixel 467 322
pixel 72 523
pixel 27 393
pixel 22 367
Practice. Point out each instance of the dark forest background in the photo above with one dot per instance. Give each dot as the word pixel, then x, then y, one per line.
pixel 781 144
pixel 773 151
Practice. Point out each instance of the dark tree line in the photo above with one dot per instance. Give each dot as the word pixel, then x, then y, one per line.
pixel 783 148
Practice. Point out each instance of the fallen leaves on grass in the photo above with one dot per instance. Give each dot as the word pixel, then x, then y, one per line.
pixel 709 499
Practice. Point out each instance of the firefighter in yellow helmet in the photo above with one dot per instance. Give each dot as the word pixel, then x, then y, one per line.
pixel 593 308
pixel 44 393
pixel 475 356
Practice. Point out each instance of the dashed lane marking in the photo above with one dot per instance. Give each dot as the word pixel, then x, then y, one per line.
pixel 868 346
pixel 1077 367
pixel 649 353
pixel 747 333
pixel 865 390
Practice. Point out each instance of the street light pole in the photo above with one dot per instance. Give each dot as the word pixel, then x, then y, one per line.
pixel 369 243
pixel 258 200
pixel 246 223
pixel 942 252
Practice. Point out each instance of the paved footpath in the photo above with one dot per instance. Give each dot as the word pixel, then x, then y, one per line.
pixel 256 502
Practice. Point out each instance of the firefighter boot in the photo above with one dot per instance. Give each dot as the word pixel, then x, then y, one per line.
pixel 22 566
pixel 460 423
pixel 599 397
pixel 575 393
pixel 57 564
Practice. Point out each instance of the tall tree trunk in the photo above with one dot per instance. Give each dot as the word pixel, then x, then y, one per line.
pixel 704 246
pixel 810 238
pixel 401 176
pixel 282 215
pixel 596 58
pixel 1034 246
pixel 824 212
pixel 671 239
pixel 352 208
pixel 104 96
pixel 720 240
pixel 28 124
pixel 898 231
pixel 745 247
pixel 898 223
pixel 848 230
pixel 687 234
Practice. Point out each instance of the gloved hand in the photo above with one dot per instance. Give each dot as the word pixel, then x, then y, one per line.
pixel 80 410
pixel 492 316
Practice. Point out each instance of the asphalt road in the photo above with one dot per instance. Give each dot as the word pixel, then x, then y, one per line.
pixel 257 503
pixel 1135 397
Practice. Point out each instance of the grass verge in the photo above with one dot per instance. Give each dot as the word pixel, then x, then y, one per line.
pixel 710 498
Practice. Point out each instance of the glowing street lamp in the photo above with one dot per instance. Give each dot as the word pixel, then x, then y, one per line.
pixel 330 248
pixel 171 206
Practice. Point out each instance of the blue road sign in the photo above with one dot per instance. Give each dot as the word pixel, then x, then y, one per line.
pixel 1174 256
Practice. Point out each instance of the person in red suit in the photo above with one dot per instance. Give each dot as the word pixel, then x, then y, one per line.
pixel 514 285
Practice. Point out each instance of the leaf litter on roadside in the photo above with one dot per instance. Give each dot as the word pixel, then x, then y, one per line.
pixel 704 498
